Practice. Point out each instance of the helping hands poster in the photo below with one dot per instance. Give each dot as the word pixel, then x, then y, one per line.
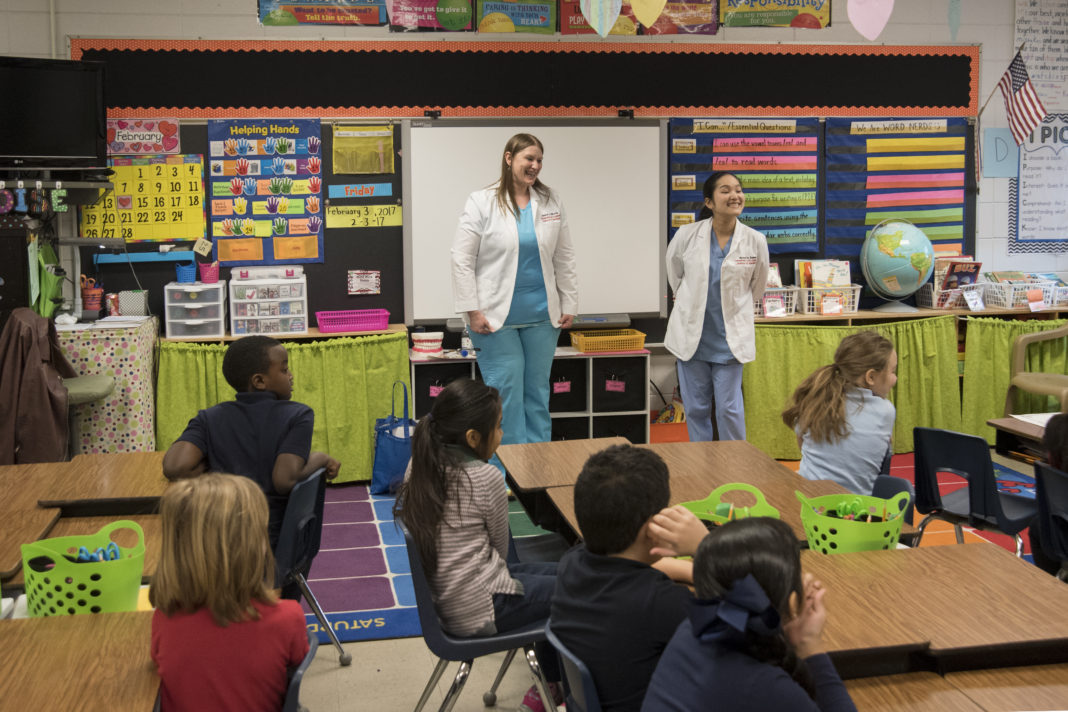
pixel 265 190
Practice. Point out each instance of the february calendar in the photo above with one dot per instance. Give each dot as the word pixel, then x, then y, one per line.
pixel 154 199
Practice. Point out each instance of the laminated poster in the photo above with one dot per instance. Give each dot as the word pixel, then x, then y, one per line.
pixel 572 21
pixel 695 17
pixel 266 191
pixel 1036 224
pixel 776 161
pixel 275 13
pixel 430 15
pixel 808 14
pixel 143 136
pixel 883 169
pixel 155 199
pixel 538 16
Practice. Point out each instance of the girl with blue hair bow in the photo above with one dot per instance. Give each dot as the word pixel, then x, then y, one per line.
pixel 753 638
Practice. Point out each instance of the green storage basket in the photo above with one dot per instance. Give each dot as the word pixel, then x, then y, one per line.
pixel 834 535
pixel 57 586
pixel 713 509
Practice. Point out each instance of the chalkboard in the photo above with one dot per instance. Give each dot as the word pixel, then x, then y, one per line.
pixel 609 174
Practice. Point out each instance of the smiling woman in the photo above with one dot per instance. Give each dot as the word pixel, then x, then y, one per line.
pixel 513 279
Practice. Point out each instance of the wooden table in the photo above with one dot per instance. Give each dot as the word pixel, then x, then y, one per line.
pixel 536 466
pixel 911 692
pixel 1017 438
pixel 977 604
pixel 106 484
pixel 1036 687
pixel 84 662
pixel 23 521
pixel 73 526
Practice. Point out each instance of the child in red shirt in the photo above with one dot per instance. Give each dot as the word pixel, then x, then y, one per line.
pixel 221 639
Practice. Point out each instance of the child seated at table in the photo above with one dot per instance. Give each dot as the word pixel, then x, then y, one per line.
pixel 843 420
pixel 221 639
pixel 1055 442
pixel 753 638
pixel 455 507
pixel 612 608
pixel 261 434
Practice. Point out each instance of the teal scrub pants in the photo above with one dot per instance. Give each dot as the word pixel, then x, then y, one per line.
pixel 516 360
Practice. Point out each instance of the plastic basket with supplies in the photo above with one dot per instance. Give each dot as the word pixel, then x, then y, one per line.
pixel 1012 295
pixel 788 295
pixel 608 340
pixel 841 523
pixel 713 509
pixel 823 300
pixel 930 298
pixel 83 574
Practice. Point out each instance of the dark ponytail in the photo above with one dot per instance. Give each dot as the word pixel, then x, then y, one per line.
pixel 439 446
pixel 767 550
pixel 709 189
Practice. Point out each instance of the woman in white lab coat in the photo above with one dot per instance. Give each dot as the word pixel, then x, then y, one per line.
pixel 717 268
pixel 513 278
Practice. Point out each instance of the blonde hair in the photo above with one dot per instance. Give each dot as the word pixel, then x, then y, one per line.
pixel 215 549
pixel 817 407
pixel 506 186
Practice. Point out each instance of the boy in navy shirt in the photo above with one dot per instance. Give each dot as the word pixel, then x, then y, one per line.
pixel 262 434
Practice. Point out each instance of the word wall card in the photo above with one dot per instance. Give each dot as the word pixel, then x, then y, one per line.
pixel 266 191
pixel 156 198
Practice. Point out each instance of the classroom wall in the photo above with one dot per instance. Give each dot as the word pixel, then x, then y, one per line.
pixel 25 31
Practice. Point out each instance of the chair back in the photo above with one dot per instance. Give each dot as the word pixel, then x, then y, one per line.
pixel 292 701
pixel 581 692
pixel 302 526
pixel 1051 491
pixel 433 635
pixel 886 487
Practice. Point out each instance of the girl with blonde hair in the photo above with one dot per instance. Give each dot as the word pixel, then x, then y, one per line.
pixel 221 638
pixel 843 420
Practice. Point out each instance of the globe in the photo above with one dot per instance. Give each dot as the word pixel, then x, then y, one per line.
pixel 896 258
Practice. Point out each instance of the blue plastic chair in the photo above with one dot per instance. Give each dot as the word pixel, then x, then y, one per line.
pixel 298 543
pixel 450 648
pixel 979 505
pixel 581 692
pixel 292 702
pixel 1051 493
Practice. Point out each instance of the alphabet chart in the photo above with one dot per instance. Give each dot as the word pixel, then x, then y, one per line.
pixel 157 198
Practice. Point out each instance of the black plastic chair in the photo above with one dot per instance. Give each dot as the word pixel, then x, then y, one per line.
pixel 979 505
pixel 450 648
pixel 1051 492
pixel 298 543
pixel 292 701
pixel 581 692
pixel 887 487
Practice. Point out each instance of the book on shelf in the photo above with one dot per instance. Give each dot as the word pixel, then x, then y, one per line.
pixel 830 273
pixel 1011 276
pixel 960 273
pixel 803 273
pixel 774 278
pixel 1048 277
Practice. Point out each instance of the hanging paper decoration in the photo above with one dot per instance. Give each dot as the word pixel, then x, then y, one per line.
pixel 601 14
pixel 573 22
pixel 647 10
pixel 869 17
pixel 776 161
pixel 894 168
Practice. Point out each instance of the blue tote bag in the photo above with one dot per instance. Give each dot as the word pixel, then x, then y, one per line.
pixel 393 446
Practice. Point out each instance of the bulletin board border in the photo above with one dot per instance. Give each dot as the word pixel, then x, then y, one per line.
pixel 562 60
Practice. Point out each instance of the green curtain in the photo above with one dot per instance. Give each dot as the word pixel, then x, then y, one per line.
pixel 346 381
pixel 927 390
pixel 987 355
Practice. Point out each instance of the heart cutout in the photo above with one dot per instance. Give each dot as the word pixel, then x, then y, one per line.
pixel 168 128
pixel 601 14
pixel 111 135
pixel 126 201
pixel 157 147
pixel 135 147
pixel 122 124
pixel 647 11
pixel 137 124
pixel 869 17
pixel 149 125
pixel 169 142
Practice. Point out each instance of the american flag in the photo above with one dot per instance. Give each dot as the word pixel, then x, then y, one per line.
pixel 1024 108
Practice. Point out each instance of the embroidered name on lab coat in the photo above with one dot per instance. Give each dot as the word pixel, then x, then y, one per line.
pixel 552 216
pixel 746 260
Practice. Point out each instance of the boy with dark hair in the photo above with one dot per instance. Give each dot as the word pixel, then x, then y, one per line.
pixel 262 434
pixel 612 607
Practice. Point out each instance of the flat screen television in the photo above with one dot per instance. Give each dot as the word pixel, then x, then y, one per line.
pixel 52 114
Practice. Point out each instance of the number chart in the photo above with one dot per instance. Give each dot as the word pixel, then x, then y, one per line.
pixel 155 199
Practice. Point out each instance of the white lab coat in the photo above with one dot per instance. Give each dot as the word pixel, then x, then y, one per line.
pixel 485 257
pixel 743 276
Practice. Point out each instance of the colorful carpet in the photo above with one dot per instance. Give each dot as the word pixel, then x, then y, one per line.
pixel 1015 483
pixel 361 576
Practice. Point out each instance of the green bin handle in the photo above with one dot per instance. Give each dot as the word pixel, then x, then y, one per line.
pixel 711 507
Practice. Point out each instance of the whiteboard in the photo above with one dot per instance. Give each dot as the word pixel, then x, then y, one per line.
pixel 610 175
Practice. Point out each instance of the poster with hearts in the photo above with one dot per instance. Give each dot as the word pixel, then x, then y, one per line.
pixel 139 137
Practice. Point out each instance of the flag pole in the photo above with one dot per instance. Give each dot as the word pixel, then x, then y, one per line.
pixel 995 86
